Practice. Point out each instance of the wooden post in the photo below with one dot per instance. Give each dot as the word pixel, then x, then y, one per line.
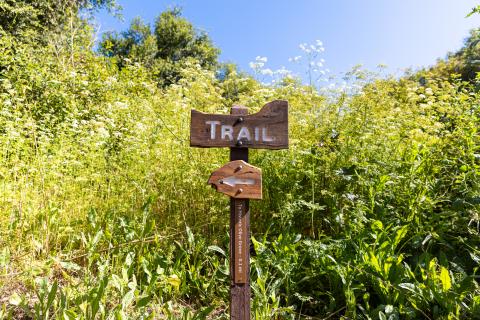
pixel 239 131
pixel 239 242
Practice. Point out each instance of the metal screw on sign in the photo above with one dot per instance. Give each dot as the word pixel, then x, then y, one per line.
pixel 266 129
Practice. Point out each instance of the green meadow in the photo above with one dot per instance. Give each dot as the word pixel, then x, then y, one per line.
pixel 372 213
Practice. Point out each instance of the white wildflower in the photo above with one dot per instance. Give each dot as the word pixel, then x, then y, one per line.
pixel 267 72
pixel 256 65
pixel 121 105
pixel 295 59
pixel 283 71
pixel 102 132
pixel 98 124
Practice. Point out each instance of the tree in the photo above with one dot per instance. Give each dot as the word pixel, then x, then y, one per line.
pixel 21 16
pixel 165 50
pixel 177 40
pixel 137 44
pixel 463 64
pixel 468 58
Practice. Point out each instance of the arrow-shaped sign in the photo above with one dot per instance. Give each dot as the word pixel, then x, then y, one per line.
pixel 233 181
pixel 238 179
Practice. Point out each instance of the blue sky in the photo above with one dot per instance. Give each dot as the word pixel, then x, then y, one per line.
pixel 398 33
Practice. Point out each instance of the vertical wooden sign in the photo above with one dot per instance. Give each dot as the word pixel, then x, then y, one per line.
pixel 240 246
pixel 241 242
pixel 266 129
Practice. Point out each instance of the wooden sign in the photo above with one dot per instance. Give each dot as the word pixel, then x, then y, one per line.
pixel 266 129
pixel 238 179
pixel 241 243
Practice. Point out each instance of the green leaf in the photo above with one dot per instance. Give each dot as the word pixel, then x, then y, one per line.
pixel 474 11
pixel 377 226
pixel 445 279
pixel 203 313
pixel 475 257
pixel 374 262
pixel 382 315
pixel 143 302
pixel 97 295
pixel 127 299
pixel 51 295
pixel 217 249
pixel 408 286
pixel 96 239
pixel 117 282
pixel 400 234
pixel 70 266
pixel 190 236
pixel 174 281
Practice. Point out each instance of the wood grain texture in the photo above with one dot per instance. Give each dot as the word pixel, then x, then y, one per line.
pixel 266 129
pixel 241 244
pixel 239 292
pixel 238 179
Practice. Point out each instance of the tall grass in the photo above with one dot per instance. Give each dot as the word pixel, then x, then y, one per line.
pixel 371 214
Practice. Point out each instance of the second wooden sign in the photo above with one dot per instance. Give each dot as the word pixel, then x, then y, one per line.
pixel 238 179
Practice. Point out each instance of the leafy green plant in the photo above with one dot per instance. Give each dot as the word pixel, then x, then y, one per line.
pixel 46 297
pixel 372 213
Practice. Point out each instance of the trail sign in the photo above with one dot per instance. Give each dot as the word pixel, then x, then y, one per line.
pixel 241 245
pixel 266 129
pixel 238 179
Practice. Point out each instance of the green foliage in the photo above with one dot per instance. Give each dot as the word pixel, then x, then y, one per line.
pixel 24 16
pixel 463 64
pixel 165 51
pixel 137 44
pixel 475 10
pixel 371 214
pixel 177 40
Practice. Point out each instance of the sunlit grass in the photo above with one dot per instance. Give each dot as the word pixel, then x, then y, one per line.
pixel 371 214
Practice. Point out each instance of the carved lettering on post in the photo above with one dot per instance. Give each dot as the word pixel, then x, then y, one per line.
pixel 266 129
pixel 241 243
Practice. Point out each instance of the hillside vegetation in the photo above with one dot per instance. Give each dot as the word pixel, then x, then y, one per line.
pixel 372 213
